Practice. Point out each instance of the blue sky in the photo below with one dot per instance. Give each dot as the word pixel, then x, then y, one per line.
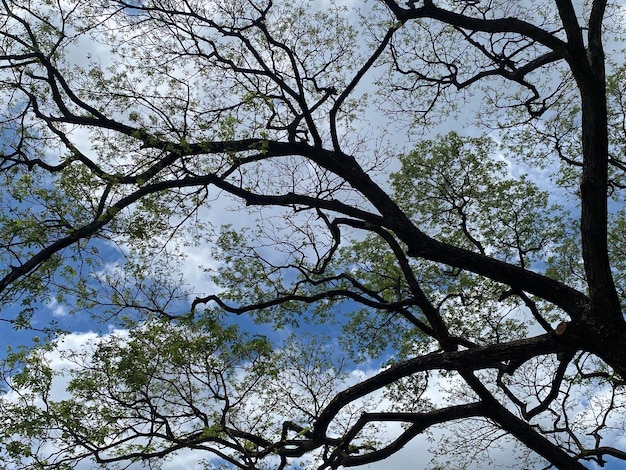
pixel 82 322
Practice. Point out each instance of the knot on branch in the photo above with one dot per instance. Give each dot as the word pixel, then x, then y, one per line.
pixel 561 328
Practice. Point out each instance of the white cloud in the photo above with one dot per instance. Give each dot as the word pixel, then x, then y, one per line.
pixel 415 455
pixel 58 309
pixel 411 457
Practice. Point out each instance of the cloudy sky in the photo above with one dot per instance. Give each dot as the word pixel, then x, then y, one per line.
pixel 86 331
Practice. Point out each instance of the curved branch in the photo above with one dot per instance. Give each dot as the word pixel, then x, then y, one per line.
pixel 332 115
pixel 421 245
pixel 602 451
pixel 480 357
pixel 420 422
pixel 430 311
pixel 554 389
pixel 498 25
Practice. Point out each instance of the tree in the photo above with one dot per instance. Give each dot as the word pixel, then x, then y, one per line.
pixel 435 257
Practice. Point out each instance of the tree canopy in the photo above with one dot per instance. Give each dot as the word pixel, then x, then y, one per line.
pixel 313 232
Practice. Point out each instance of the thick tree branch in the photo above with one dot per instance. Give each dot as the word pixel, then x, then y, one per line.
pixel 499 25
pixel 480 357
pixel 420 422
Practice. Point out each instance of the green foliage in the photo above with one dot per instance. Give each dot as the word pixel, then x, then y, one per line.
pixel 117 382
pixel 461 191
pixel 210 181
